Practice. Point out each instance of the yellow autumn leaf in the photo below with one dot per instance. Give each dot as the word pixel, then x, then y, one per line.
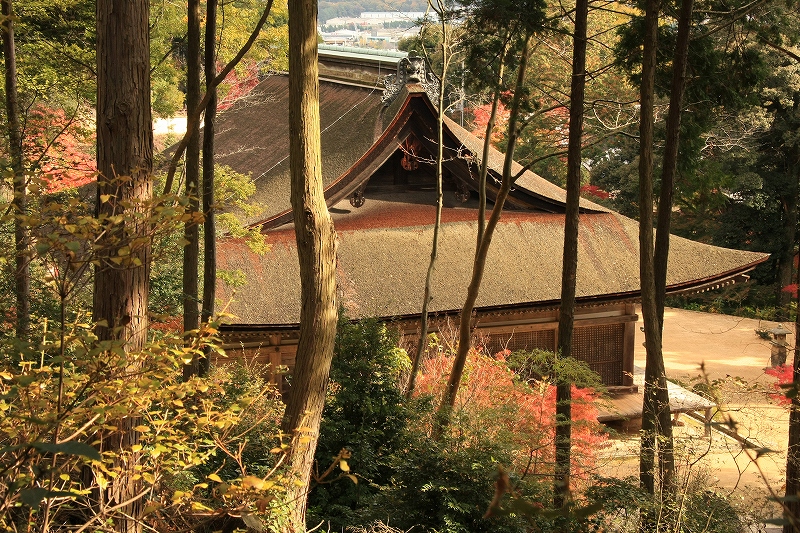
pixel 151 507
pixel 344 466
pixel 214 477
pixel 197 506
pixel 252 482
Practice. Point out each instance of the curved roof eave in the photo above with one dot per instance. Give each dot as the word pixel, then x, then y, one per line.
pixel 696 286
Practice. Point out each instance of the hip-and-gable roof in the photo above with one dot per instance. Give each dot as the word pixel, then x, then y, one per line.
pixel 384 243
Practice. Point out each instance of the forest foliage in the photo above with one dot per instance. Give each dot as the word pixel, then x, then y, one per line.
pixel 210 449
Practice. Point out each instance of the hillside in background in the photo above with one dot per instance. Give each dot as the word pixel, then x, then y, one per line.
pixel 329 9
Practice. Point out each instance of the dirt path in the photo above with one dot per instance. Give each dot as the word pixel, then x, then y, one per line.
pixel 734 359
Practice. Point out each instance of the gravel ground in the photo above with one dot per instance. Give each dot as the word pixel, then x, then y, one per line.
pixel 733 359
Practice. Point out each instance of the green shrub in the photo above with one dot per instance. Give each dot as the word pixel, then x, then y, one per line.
pixel 704 510
pixel 365 413
pixel 446 486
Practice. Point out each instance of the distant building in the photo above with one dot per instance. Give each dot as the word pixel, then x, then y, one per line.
pixel 392 15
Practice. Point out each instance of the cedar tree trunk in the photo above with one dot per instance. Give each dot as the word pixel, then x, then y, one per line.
pixel 666 456
pixel 209 224
pixel 316 249
pixel 792 504
pixel 22 279
pixel 786 258
pixel 656 401
pixel 566 316
pixel 124 149
pixel 191 251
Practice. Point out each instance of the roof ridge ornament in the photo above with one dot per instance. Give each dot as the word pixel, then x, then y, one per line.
pixel 410 70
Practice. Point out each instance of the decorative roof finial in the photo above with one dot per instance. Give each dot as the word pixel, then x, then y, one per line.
pixel 411 69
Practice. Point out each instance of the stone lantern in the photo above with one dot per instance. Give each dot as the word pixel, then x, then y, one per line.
pixel 779 344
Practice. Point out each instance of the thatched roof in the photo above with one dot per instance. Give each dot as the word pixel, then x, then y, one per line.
pixel 253 136
pixel 358 134
pixel 384 246
pixel 384 250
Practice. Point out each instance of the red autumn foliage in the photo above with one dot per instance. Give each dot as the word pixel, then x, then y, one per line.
pixel 594 190
pixel 551 127
pixel 784 375
pixel 59 147
pixel 239 85
pixel 481 119
pixel 792 288
pixel 492 404
pixel 170 324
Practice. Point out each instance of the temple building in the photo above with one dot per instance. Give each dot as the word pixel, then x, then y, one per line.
pixel 379 177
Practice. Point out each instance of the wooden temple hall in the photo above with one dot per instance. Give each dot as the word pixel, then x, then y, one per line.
pixel 378 128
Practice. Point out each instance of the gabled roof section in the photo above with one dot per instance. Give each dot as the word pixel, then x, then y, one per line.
pixel 359 133
pixel 253 136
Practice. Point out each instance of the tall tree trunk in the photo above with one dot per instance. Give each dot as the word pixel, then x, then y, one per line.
pixel 482 250
pixel 191 251
pixel 666 454
pixel 427 297
pixel 124 149
pixel 22 279
pixel 786 257
pixel 670 164
pixel 209 223
pixel 484 170
pixel 652 331
pixel 655 409
pixel 792 504
pixel 566 317
pixel 316 249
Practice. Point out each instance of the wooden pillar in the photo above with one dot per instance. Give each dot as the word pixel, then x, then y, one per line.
pixel 628 343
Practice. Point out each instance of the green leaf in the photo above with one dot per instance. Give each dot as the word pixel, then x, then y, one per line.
pixel 42 247
pixel 11 448
pixel 26 379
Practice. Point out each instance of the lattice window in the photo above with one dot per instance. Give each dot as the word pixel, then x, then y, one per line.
pixel 601 347
pixel 521 340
